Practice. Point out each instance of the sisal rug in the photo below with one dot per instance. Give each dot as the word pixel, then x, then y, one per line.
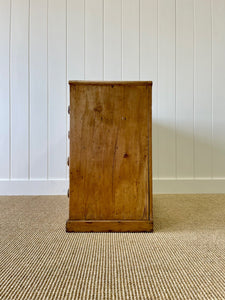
pixel 183 259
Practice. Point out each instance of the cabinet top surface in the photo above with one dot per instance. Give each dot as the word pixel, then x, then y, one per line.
pixel 86 82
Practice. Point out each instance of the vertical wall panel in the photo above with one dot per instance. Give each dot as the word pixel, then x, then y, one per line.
pixel 19 89
pixel 38 89
pixel 75 46
pixel 178 44
pixel 166 88
pixel 218 64
pixel 131 28
pixel 203 89
pixel 94 40
pixel 148 64
pixel 75 42
pixel 112 40
pixel 57 86
pixel 4 87
pixel 148 39
pixel 184 87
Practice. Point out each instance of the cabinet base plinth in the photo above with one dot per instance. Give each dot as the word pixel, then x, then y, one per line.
pixel 109 226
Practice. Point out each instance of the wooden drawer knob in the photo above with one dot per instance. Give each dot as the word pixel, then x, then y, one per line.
pixel 68 193
pixel 68 134
pixel 68 161
pixel 69 109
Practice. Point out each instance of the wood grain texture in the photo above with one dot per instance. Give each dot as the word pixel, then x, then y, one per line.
pixel 109 226
pixel 110 151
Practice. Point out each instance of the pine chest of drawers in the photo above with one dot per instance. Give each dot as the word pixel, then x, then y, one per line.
pixel 110 163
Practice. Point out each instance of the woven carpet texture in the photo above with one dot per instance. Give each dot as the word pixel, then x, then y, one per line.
pixel 183 259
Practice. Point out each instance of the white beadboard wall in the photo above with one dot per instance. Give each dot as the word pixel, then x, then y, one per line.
pixel 178 44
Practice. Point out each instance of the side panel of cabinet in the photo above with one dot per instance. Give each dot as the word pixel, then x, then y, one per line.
pixel 109 152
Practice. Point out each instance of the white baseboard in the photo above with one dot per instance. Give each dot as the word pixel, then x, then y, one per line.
pixel 189 186
pixel 160 186
pixel 34 187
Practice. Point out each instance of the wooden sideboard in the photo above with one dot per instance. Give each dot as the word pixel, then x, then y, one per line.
pixel 110 163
